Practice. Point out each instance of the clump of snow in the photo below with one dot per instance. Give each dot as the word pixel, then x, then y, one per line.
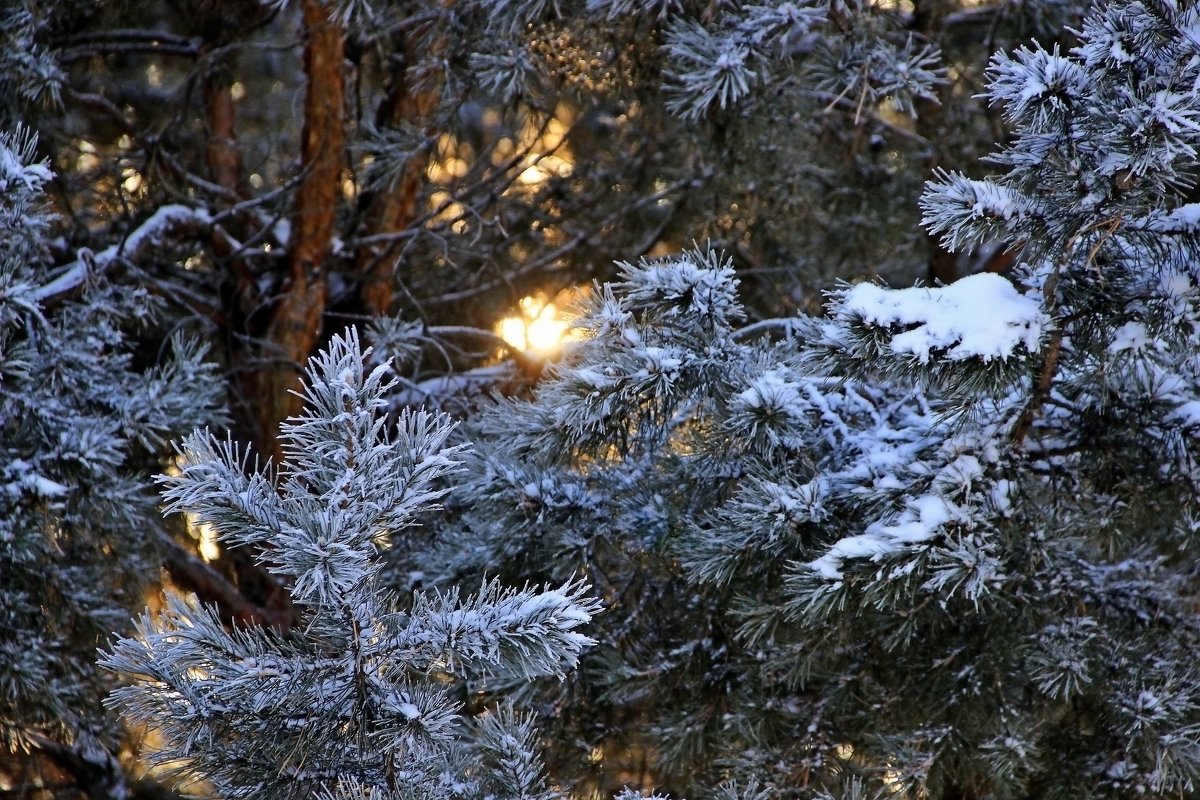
pixel 554 605
pixel 920 521
pixel 1187 414
pixel 1131 336
pixel 798 503
pixel 980 316
pixel 1002 497
pixel 12 170
pixel 1184 219
pixel 282 231
pixel 660 361
pixel 936 499
pixel 773 394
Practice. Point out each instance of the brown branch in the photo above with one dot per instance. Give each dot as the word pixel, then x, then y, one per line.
pixel 1046 372
pixel 193 575
pixel 87 45
pixel 126 48
pixel 102 103
pixel 124 35
pixel 220 117
pixel 1040 390
pixel 225 168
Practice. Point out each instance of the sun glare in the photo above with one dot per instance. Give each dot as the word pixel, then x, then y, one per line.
pixel 540 328
pixel 209 549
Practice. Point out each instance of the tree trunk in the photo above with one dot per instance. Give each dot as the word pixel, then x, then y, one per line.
pixel 278 334
pixel 224 160
pixel 393 209
pixel 293 329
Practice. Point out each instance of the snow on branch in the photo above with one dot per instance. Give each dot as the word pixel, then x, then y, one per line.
pixel 967 211
pixel 526 633
pixel 1037 87
pixel 978 317
pixel 169 220
pixel 364 688
pixel 921 520
pixel 17 164
pixel 974 337
pixel 1182 220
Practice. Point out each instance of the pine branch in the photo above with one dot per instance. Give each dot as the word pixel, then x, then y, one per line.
pixel 167 221
pixel 1041 389
pixel 193 575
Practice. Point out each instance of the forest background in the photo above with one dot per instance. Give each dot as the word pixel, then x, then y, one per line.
pixel 615 242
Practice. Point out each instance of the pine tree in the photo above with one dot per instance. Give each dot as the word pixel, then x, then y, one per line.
pixel 83 419
pixel 28 71
pixel 364 697
pixel 932 542
pixel 446 161
pixel 310 162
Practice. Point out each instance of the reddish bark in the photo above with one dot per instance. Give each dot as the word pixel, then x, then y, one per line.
pixel 224 159
pixel 286 328
pixel 294 326
pixel 393 209
pixel 225 169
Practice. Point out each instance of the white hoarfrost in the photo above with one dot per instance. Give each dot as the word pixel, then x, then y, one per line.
pixel 361 690
pixel 921 520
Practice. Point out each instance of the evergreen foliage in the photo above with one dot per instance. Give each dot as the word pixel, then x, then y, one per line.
pixel 82 419
pixel 28 72
pixel 359 699
pixel 934 542
pixel 497 149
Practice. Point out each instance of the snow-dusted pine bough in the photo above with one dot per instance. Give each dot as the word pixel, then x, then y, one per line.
pixel 934 541
pixel 82 416
pixel 357 700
